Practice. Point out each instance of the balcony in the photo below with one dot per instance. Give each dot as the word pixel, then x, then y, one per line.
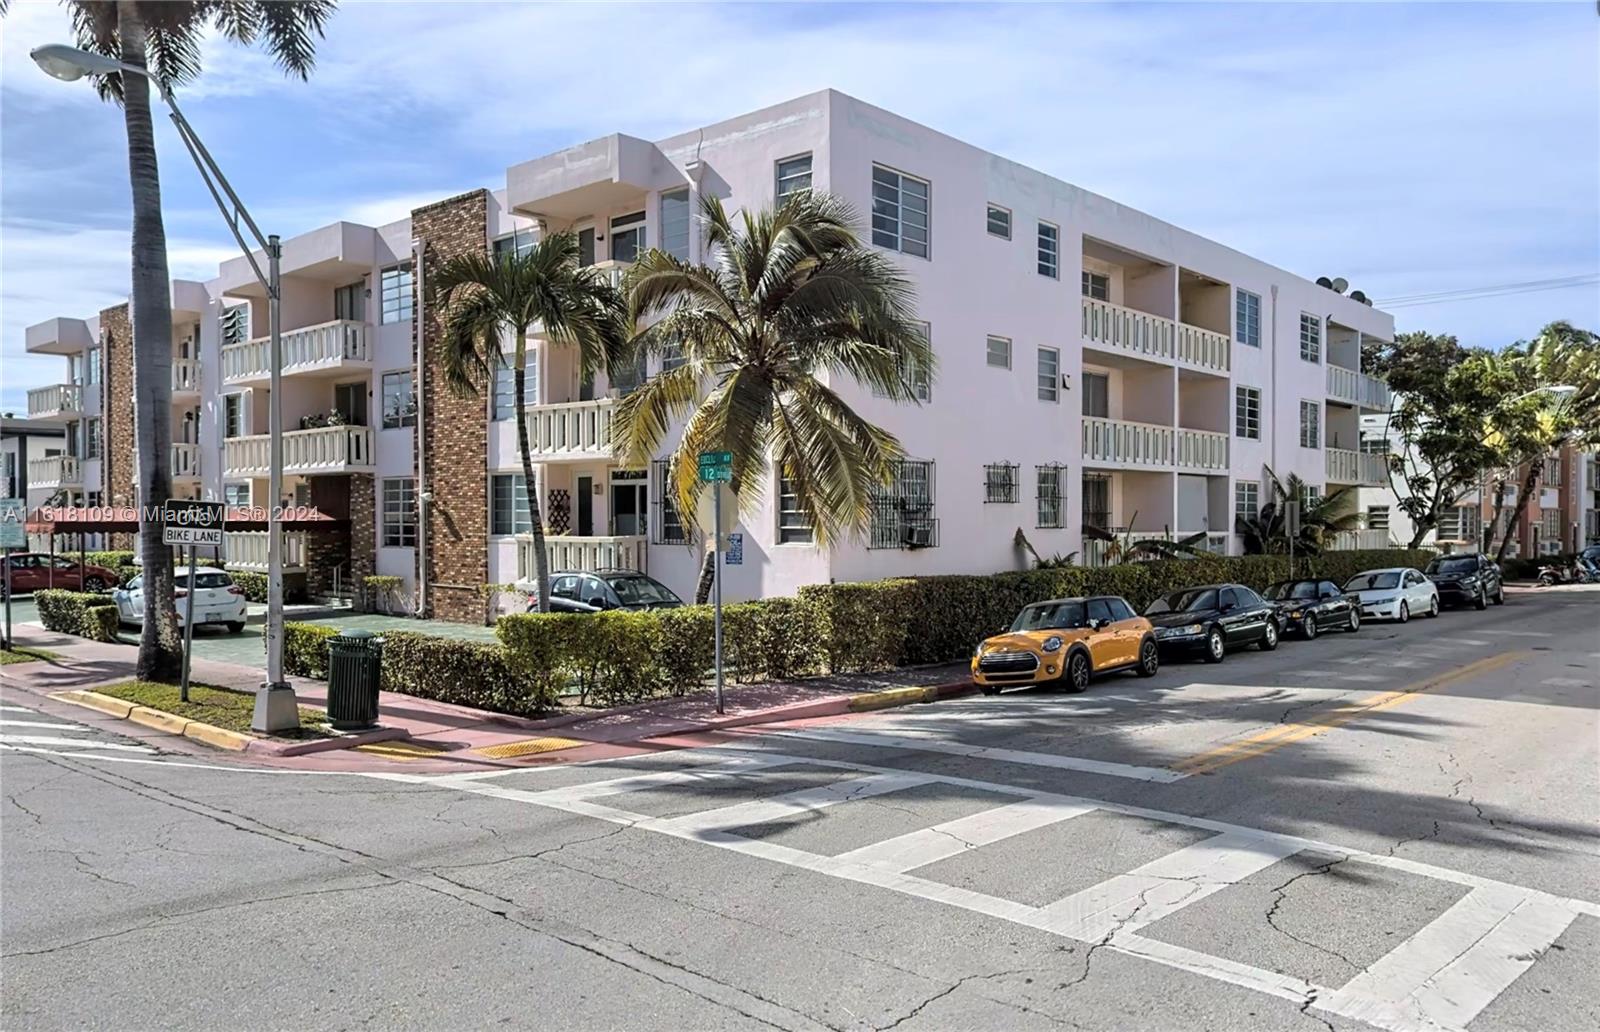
pixel 1202 450
pixel 185 377
pixel 568 552
pixel 330 449
pixel 247 550
pixel 1153 338
pixel 1353 388
pixel 332 347
pixel 1119 443
pixel 572 430
pixel 185 462
pixel 55 471
pixel 1353 467
pixel 58 401
pixel 1356 540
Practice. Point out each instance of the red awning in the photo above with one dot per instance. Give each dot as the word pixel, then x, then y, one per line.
pixel 124 519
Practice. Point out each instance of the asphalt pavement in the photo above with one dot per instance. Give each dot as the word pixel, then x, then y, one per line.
pixel 1396 829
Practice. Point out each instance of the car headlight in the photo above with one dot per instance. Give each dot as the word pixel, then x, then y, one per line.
pixel 1470 581
pixel 1294 614
pixel 977 651
pixel 1053 643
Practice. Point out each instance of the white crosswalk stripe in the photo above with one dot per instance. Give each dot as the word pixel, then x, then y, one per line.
pixel 24 735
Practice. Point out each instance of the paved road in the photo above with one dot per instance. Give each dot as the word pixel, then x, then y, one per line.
pixel 1395 830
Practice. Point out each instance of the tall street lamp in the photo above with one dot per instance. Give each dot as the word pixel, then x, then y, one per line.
pixel 275 708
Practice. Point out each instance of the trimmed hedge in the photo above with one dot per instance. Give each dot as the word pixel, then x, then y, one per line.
pixel 83 613
pixel 101 623
pixel 254 584
pixel 467 673
pixel 305 649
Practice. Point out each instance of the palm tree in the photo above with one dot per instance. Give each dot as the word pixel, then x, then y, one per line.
pixel 484 298
pixel 1128 549
pixel 164 36
pixel 1320 520
pixel 787 299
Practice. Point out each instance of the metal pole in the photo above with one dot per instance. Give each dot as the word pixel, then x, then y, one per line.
pixel 275 708
pixel 716 590
pixel 188 630
pixel 7 561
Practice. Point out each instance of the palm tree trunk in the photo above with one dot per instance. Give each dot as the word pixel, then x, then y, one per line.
pixel 1529 483
pixel 541 554
pixel 159 648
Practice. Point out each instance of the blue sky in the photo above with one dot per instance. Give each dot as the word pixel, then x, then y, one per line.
pixel 1408 148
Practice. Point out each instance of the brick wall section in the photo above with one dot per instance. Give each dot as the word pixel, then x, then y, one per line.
pixel 454 434
pixel 116 428
pixel 363 528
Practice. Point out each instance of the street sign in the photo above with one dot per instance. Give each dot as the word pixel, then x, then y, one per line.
pixel 716 458
pixel 13 523
pixel 1291 519
pixel 191 522
pixel 716 466
pixel 735 556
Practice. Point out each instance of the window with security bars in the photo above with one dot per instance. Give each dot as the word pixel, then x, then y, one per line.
pixel 394 285
pixel 1247 413
pixel 999 221
pixel 1247 318
pixel 1246 500
pixel 794 176
pixel 1000 482
pixel 903 509
pixel 1550 524
pixel 1552 471
pixel 900 212
pixel 1377 517
pixel 399 512
pixel 1049 250
pixel 1051 495
pixel 1310 338
pixel 794 522
pixel 669 528
pixel 235 325
pixel 1310 424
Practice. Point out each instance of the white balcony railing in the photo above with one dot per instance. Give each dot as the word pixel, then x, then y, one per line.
pixel 1202 449
pixel 1352 467
pixel 1205 348
pixel 55 400
pixel 568 552
pixel 1352 540
pixel 185 460
pixel 247 549
pixel 330 449
pixel 1123 443
pixel 185 376
pixel 612 271
pixel 1106 325
pixel 1355 388
pixel 571 430
pixel 55 471
pixel 326 347
pixel 1215 542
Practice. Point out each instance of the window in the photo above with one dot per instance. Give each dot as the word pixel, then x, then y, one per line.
pixel 395 284
pixel 917 377
pixel 1310 338
pixel 1098 611
pixel 1246 500
pixel 235 325
pixel 1550 525
pixel 94 367
pixel 400 512
pixel 508 504
pixel 1375 445
pixel 1462 523
pixel 1096 286
pixel 1120 610
pixel 1310 495
pixel 236 494
pixel 1378 517
pixel 628 378
pixel 675 223
pixel 900 212
pixel 1049 374
pixel 92 440
pixel 350 302
pixel 1000 483
pixel 794 176
pixel 1247 318
pixel 232 415
pixel 669 525
pixel 902 510
pixel 517 245
pixel 1247 413
pixel 999 352
pixel 627 237
pixel 1310 424
pixel 794 522
pixel 1552 471
pixel 505 386
pixel 399 400
pixel 999 220
pixel 74 438
pixel 1227 599
pixel 1050 495
pixel 1097 395
pixel 672 357
pixel 1049 251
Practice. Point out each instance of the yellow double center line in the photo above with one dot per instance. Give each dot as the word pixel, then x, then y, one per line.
pixel 1287 734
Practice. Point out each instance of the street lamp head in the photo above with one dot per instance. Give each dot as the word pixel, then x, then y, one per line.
pixel 70 64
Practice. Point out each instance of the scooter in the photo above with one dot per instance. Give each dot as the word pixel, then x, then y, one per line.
pixel 1579 571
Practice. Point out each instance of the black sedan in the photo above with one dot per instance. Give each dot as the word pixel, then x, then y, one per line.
pixel 1212 619
pixel 1471 579
pixel 1310 607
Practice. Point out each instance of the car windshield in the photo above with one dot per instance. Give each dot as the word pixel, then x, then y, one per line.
pixel 1050 616
pixel 1457 565
pixel 203 579
pixel 641 590
pixel 1373 581
pixel 1283 591
pixel 1190 601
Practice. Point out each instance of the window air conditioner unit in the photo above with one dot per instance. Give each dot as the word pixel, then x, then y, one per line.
pixel 916 537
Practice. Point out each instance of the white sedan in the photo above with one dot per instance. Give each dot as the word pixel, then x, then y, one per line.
pixel 1396 593
pixel 216 598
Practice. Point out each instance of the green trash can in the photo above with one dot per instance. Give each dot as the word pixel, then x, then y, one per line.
pixel 355 662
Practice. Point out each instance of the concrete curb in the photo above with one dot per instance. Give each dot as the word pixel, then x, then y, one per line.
pixel 894 697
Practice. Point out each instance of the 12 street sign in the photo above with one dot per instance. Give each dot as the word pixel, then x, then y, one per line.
pixel 716 466
pixel 190 522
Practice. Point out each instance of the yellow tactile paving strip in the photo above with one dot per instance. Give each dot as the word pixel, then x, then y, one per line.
pixel 400 750
pixel 527 747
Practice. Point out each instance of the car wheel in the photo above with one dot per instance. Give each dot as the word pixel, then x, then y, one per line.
pixel 1500 595
pixel 1309 626
pixel 1077 678
pixel 1355 621
pixel 1149 659
pixel 236 627
pixel 1269 636
pixel 93 584
pixel 1433 606
pixel 1482 601
pixel 1405 613
pixel 1216 649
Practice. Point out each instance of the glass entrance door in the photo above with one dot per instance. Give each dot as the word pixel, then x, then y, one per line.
pixel 629 504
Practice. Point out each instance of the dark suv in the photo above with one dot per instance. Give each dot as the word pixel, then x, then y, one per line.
pixel 1471 578
pixel 590 591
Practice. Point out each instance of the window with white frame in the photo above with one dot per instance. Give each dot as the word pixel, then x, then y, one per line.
pixel 1310 495
pixel 675 223
pixel 236 494
pixel 399 400
pixel 394 284
pixel 503 405
pixel 1247 318
pixel 1049 374
pixel 794 522
pixel 793 176
pixel 1377 517
pixel 508 504
pixel 1050 494
pixel 1550 525
pixel 1000 483
pixel 628 237
pixel 1375 445
pixel 1246 499
pixel 1096 285
pixel 350 301
pixel 92 442
pixel 901 214
pixel 399 512
pixel 1247 412
pixel 1049 250
pixel 998 352
pixel 232 415
pixel 1310 338
pixel 94 367
pixel 1310 424
pixel 999 221
pixel 234 324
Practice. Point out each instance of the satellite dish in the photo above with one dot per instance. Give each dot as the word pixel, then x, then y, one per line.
pixel 1323 281
pixel 1356 295
pixel 1339 284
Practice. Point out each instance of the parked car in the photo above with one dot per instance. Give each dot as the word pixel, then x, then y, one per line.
pixel 35 571
pixel 592 591
pixel 1066 641
pixel 1310 607
pixel 1211 619
pixel 212 592
pixel 1394 594
pixel 1472 577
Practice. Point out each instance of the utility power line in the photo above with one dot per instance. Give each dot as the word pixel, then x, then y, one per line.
pixel 1493 290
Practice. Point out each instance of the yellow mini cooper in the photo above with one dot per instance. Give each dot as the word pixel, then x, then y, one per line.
pixel 1065 642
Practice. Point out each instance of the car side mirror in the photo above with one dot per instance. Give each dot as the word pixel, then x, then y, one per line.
pixel 596 601
pixel 1095 623
pixel 1226 607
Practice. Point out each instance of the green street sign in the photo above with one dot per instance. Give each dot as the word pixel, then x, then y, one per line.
pixel 716 458
pixel 716 474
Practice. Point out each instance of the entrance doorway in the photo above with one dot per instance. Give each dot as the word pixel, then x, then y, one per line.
pixel 630 502
pixel 585 492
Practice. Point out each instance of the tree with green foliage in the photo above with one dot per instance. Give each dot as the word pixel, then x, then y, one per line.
pixel 1321 519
